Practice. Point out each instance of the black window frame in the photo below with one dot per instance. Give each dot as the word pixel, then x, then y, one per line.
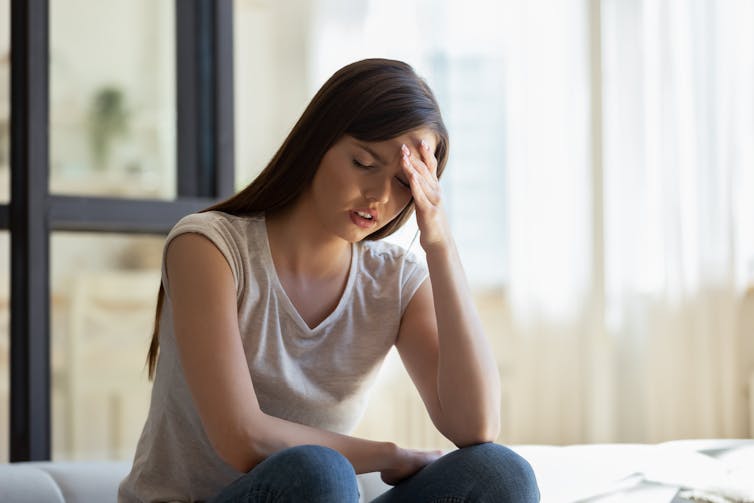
pixel 205 174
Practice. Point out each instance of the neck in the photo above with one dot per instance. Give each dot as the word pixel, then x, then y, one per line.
pixel 302 248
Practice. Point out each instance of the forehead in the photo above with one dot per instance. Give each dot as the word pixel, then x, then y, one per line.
pixel 411 139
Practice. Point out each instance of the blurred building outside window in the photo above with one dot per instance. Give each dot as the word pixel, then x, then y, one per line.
pixel 112 98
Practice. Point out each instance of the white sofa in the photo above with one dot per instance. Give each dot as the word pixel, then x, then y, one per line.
pixel 598 473
pixel 91 482
pixel 61 481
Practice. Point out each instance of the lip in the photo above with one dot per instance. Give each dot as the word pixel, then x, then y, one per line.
pixel 361 221
pixel 368 211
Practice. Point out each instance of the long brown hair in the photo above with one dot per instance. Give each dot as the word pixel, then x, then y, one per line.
pixel 371 100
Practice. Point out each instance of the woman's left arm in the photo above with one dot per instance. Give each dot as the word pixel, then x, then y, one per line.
pixel 441 340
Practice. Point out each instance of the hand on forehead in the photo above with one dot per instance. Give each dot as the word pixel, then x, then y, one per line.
pixel 413 140
pixel 389 151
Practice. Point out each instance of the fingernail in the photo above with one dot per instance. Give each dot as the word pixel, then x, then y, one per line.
pixel 425 145
pixel 404 148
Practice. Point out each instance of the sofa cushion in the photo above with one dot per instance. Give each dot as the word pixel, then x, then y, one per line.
pixel 22 483
pixel 86 481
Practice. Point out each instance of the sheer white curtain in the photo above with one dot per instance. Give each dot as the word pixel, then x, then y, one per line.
pixel 549 210
pixel 631 237
pixel 679 214
pixel 627 149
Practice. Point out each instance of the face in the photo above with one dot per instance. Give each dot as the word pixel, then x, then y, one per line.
pixel 360 186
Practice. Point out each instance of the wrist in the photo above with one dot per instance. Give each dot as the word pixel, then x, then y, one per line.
pixel 390 455
pixel 439 249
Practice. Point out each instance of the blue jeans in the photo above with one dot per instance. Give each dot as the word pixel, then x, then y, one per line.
pixel 484 473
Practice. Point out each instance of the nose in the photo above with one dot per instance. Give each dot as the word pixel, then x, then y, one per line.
pixel 378 190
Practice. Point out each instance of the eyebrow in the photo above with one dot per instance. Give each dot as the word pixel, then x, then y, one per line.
pixel 377 158
pixel 371 152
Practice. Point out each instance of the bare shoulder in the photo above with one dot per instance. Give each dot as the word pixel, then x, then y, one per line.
pixel 192 259
pixel 192 246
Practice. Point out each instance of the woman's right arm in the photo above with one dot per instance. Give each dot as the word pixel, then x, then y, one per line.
pixel 203 296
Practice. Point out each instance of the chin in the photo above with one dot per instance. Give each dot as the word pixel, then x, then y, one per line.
pixel 350 235
pixel 354 234
pixel 355 237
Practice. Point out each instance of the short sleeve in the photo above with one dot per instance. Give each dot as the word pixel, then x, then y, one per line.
pixel 219 231
pixel 413 275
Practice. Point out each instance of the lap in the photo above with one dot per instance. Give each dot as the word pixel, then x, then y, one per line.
pixel 304 473
pixel 480 473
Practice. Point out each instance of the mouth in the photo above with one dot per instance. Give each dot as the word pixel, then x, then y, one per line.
pixel 364 219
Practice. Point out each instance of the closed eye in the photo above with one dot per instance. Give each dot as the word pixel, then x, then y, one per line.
pixel 359 165
pixel 362 166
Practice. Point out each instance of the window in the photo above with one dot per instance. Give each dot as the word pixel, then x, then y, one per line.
pixel 112 98
pixel 138 138
pixel 102 299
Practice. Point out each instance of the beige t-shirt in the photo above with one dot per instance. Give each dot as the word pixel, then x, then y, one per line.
pixel 318 377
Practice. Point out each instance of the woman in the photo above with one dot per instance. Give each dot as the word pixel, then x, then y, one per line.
pixel 278 305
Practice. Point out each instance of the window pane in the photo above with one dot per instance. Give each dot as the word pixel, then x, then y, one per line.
pixel 4 101
pixel 112 98
pixel 270 72
pixel 104 289
pixel 4 347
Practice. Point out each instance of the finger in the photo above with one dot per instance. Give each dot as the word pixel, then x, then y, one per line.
pixel 428 157
pixel 419 159
pixel 428 181
pixel 428 186
pixel 431 191
pixel 425 173
pixel 422 154
pixel 420 166
pixel 417 190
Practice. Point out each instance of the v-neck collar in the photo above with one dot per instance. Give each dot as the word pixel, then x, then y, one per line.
pixel 283 295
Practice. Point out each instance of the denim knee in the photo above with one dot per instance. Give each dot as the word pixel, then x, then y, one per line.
pixel 500 474
pixel 308 473
pixel 325 474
